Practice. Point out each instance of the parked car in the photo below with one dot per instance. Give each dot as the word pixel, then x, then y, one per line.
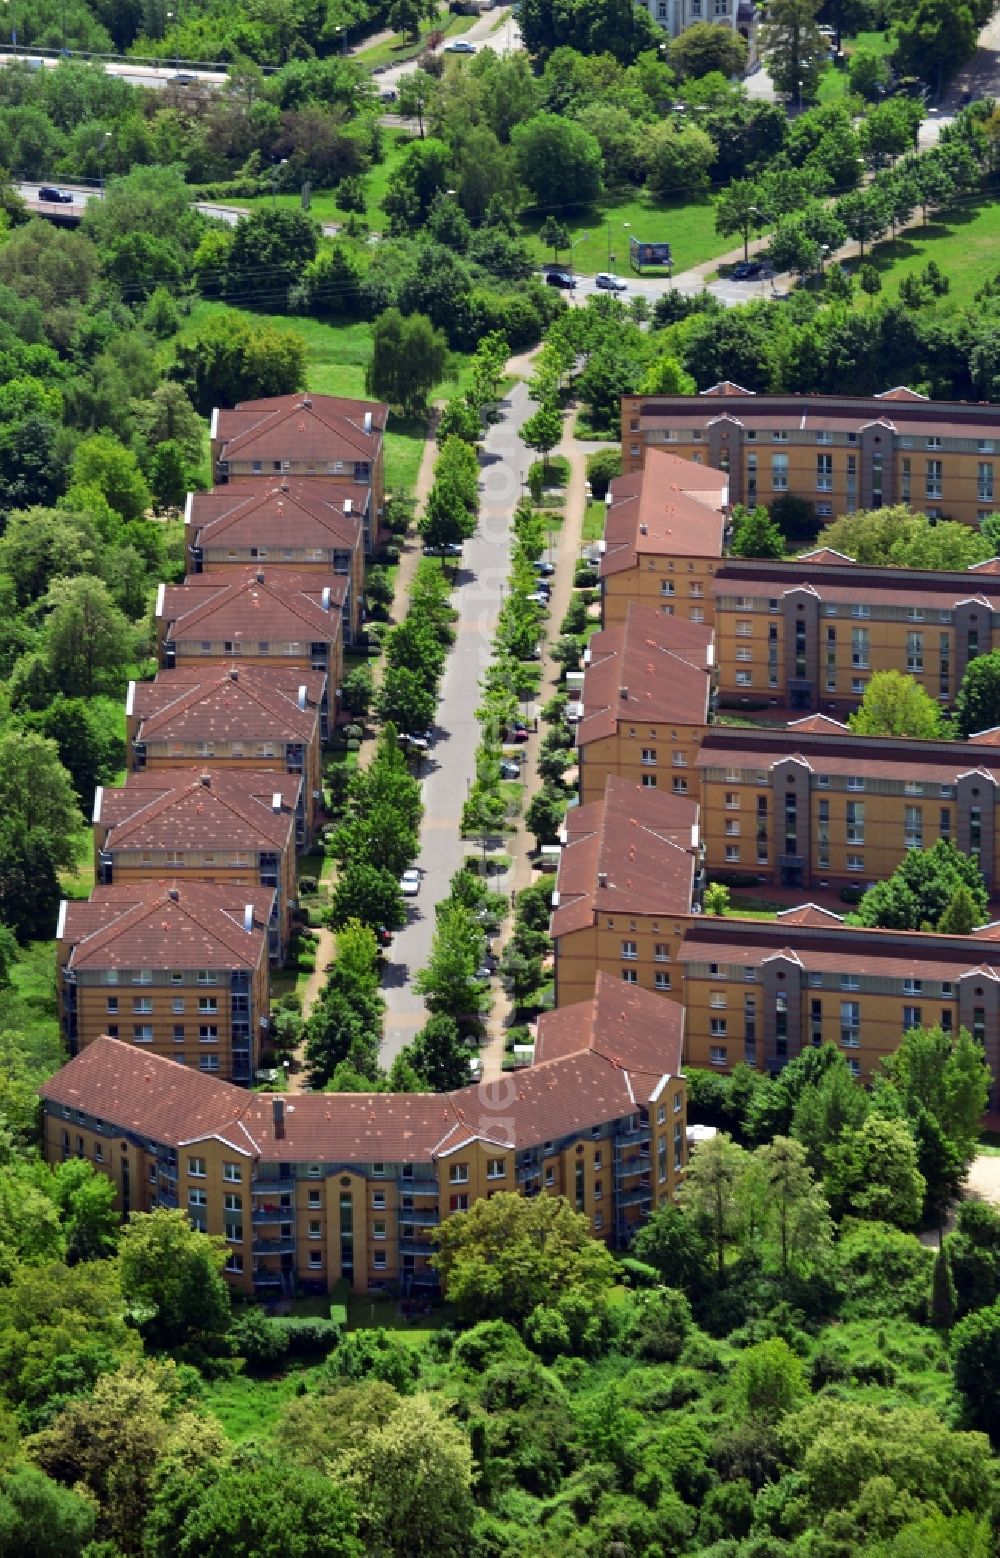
pixel 383 935
pixel 445 549
pixel 388 96
pixel 609 283
pixel 415 743
pixel 545 569
pixel 539 598
pixel 56 196
pixel 518 735
pixel 460 46
pixel 409 882
pixel 560 278
pixel 510 769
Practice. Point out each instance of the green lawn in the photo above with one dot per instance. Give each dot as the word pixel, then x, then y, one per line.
pixel 965 244
pixel 29 1008
pixel 688 226
pixel 251 1406
pixel 323 205
pixel 593 519
pixel 833 83
pixel 336 360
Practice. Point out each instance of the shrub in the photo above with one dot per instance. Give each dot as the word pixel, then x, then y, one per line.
pixel 308 1337
pixel 602 468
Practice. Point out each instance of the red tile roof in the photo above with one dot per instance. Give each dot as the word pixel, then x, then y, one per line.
pixel 672 507
pixel 830 748
pixel 899 408
pixel 153 925
pixel 632 852
pixel 260 606
pixel 827 946
pixel 876 586
pixel 313 513
pixel 649 669
pixel 162 809
pixel 231 704
pixel 300 427
pixel 628 1043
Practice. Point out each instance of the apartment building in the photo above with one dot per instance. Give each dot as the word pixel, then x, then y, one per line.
pixel 808 634
pixel 313 529
pixel 254 719
pixel 813 805
pixel 178 972
pixel 271 618
pixel 312 1188
pixel 646 699
pixel 203 825
pixel 665 533
pixel 761 991
pixel 298 436
pixel 629 881
pixel 841 452
pixel 674 16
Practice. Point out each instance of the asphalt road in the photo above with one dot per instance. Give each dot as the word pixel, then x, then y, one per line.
pixel 449 767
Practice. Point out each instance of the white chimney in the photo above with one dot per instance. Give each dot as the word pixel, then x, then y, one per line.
pixel 98 802
pixel 130 701
pixel 161 590
pixel 61 921
pixel 368 421
pixel 248 917
pixel 326 597
pixel 188 502
pixel 276 801
pixel 348 506
pixel 302 696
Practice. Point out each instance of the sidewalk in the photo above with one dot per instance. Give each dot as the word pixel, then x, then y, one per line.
pixel 518 843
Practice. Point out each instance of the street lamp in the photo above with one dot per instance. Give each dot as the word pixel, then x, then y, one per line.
pixel 274 181
pixel 102 151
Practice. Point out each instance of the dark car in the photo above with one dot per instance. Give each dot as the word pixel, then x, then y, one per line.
pixel 560 278
pixel 747 270
pixel 60 197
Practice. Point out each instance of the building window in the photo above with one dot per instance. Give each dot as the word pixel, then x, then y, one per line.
pixel 378 1200
pixel 379 1260
pixel 779 472
pixel 630 949
pixel 732 852
pixel 932 480
pixel 850 1024
pixel 912 1017
pixel 913 827
pixel 860 648
pixel 234 1263
pixel 824 473
pixel 661 981
pixel 378 1228
pixel 458 1174
pixel 232 1173
pixel 142 1032
pixel 649 756
pixel 984 488
pixel 496 1168
pixel 855 822
pixel 649 781
pixel 717 1055
pixel 915 653
pixel 314 1199
pixel 717 1027
pixel 630 976
pixel 196 1168
pixel 661 952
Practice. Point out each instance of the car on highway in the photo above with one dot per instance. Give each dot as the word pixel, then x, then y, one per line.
pixel 184 78
pixel 409 882
pixel 609 283
pixel 55 196
pixel 560 278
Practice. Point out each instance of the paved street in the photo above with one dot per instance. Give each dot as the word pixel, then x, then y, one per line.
pixel 450 765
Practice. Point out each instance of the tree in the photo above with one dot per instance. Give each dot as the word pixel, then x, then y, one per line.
pixel 896 705
pixel 554 235
pixel 330 285
pixel 448 983
pixel 544 815
pixel 793 1219
pixel 977 706
pixel 975 1356
pixel 446 519
pixel 415 91
pixel 358 685
pixel 439 1055
pixel 86 1203
pixel 380 837
pixel 39 1519
pixel 865 214
pixel 873 1173
pixel 704 47
pixel 171 1275
pixel 558 161
pixel 945 1073
pixel 405 700
pixel 673 1242
pixel 408 358
pixel 942 1300
pixel 711 1193
pixel 411 1476
pixel 260 1504
pixel 678 158
pixel 87 734
pixel 738 207
pixel 755 534
pixel 868 74
pixel 88 641
pixel 507 1255
pixel 36 794
pixel 102 462
pixel 369 895
pixel 922 887
pixel 933 38
pixel 30 892
pixel 792 47
pixel 168 475
pixel 230 359
pixel 543 430
pixel 959 919
pixel 715 899
pixel 769 1380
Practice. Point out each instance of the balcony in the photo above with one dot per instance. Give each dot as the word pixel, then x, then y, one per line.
pixel 272 1214
pixel 419 1187
pixel 430 1218
pixel 273 1187
pixel 274 1246
pixel 636 1194
pixel 632 1138
pixel 267 1279
pixel 637 1163
pixel 528 1171
pixel 416 1247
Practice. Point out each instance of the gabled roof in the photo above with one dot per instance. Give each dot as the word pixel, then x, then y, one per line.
pixel 819 724
pixel 825 554
pixel 221 808
pixel 256 607
pixel 300 427
pixel 633 851
pixel 809 914
pixel 900 392
pixel 648 669
pixel 627 1044
pixel 672 507
pixel 310 513
pixel 152 925
pixel 824 945
pixel 727 387
pixel 229 703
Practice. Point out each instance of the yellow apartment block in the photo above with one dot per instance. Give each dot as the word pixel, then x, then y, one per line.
pixel 178 972
pixel 840 452
pixel 664 536
pixel 309 1189
pixel 762 991
pixel 646 699
pixel 813 805
pixel 628 886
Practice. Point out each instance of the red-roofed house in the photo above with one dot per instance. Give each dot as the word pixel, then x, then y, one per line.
pixel 646 699
pixel 178 971
pixel 628 884
pixel 311 1188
